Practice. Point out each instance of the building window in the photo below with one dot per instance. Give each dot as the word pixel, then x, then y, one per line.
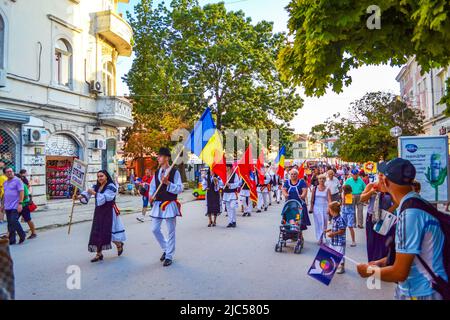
pixel 63 63
pixel 2 43
pixel 109 79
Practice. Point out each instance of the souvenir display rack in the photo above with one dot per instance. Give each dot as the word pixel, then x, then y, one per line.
pixel 58 178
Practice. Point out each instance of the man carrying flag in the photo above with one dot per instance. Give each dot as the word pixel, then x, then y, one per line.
pixel 263 184
pixel 246 171
pixel 230 198
pixel 164 190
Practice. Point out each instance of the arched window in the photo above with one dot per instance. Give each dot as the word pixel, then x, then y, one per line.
pixel 2 42
pixel 63 63
pixel 109 78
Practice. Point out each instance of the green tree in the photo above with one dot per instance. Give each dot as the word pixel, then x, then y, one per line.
pixel 194 57
pixel 332 37
pixel 365 134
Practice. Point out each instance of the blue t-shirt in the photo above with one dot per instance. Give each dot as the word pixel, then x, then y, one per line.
pixel 417 232
pixel 295 191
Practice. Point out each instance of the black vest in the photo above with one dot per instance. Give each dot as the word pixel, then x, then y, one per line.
pixel 163 195
pixel 229 190
pixel 245 186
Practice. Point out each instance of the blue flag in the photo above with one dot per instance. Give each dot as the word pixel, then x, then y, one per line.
pixel 325 264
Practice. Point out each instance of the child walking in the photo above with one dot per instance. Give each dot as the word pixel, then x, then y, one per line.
pixel 348 211
pixel 337 233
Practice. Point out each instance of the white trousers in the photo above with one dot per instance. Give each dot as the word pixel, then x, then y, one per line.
pixel 246 203
pixel 320 221
pixel 278 194
pixel 168 246
pixel 231 206
pixel 263 200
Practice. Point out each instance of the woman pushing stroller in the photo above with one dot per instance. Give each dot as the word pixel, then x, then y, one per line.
pixel 296 189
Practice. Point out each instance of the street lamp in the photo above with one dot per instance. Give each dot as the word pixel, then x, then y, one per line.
pixel 396 132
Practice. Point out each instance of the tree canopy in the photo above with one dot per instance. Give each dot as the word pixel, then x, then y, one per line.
pixel 332 37
pixel 365 134
pixel 188 57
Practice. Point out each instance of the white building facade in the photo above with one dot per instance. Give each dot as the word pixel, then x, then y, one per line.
pixel 58 89
pixel 424 92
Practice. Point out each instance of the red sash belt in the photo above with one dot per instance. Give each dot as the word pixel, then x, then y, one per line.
pixel 166 203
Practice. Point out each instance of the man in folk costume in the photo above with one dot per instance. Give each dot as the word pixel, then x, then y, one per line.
pixel 263 192
pixel 212 184
pixel 269 185
pixel 277 184
pixel 245 199
pixel 230 197
pixel 165 204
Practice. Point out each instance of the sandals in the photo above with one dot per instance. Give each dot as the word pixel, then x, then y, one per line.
pixel 98 257
pixel 120 249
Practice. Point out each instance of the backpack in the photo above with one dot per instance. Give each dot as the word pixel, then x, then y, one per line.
pixel 438 283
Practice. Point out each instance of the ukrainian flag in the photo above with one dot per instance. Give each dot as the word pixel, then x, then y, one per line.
pixel 280 161
pixel 206 143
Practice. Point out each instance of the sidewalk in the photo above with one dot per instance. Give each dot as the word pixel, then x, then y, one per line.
pixel 56 214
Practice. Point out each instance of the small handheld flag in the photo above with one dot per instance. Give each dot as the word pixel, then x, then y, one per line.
pixel 325 264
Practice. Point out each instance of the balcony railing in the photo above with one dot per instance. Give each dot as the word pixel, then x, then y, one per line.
pixel 115 111
pixel 114 29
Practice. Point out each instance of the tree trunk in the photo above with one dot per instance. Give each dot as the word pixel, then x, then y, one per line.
pixel 182 169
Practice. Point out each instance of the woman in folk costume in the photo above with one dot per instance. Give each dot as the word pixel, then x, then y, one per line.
pixel 106 225
pixel 165 204
pixel 212 184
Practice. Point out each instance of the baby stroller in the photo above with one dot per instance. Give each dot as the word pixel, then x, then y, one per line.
pixel 292 211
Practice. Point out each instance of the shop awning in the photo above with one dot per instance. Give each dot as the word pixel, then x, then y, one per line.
pixel 14 116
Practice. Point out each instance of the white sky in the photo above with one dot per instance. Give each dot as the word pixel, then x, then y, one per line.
pixel 315 110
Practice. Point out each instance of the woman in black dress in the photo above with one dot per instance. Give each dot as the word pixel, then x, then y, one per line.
pixel 106 225
pixel 212 185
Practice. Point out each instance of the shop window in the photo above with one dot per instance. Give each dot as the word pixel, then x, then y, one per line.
pixel 63 63
pixel 60 151
pixel 7 150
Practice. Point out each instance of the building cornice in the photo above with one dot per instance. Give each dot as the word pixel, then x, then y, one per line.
pixel 64 23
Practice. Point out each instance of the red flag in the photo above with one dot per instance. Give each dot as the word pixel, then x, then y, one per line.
pixel 260 166
pixel 301 172
pixel 246 170
pixel 220 166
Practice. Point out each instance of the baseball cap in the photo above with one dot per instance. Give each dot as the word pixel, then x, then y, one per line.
pixel 399 171
pixel 355 171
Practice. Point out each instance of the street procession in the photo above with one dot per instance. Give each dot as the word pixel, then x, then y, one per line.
pixel 218 156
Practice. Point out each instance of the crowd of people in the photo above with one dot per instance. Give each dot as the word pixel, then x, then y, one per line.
pixel 409 253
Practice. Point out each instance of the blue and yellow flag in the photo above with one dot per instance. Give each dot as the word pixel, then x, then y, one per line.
pixel 206 143
pixel 280 161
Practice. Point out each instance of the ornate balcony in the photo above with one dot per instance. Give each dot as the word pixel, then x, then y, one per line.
pixel 114 29
pixel 115 111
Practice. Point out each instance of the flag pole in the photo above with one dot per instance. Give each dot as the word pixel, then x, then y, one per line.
pixel 234 171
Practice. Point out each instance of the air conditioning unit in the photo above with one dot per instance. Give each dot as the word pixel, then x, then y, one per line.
pixel 2 78
pixel 95 87
pixel 35 136
pixel 100 144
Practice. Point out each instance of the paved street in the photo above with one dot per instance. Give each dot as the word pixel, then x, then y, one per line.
pixel 210 263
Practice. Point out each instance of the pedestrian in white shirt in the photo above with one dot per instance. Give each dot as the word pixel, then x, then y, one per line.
pixel 334 186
